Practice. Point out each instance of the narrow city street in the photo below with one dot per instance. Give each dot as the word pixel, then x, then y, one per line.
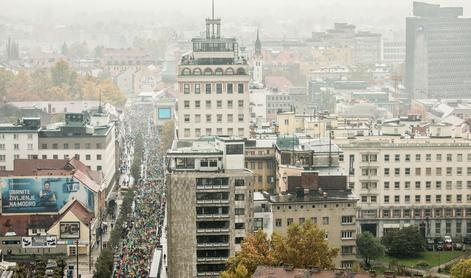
pixel 145 230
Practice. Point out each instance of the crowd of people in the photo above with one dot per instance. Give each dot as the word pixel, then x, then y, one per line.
pixel 144 229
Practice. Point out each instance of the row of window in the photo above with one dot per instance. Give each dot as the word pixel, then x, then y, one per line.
pixel 417 185
pixel 76 146
pixel 16 136
pixel 259 165
pixel 54 156
pixel 210 88
pixel 419 213
pixel 428 198
pixel 345 220
pixel 209 132
pixel 16 146
pixel 208 104
pixel 418 171
pixel 417 198
pixel 269 179
pixel 209 71
pixel 208 118
pixel 418 157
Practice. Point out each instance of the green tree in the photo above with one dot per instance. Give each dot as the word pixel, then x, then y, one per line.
pixel 104 264
pixel 61 73
pixel 462 269
pixel 405 242
pixel 369 247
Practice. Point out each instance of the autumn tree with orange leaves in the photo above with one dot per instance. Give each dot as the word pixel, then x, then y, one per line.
pixel 303 246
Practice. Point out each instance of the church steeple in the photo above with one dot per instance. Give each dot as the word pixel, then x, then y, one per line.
pixel 258 45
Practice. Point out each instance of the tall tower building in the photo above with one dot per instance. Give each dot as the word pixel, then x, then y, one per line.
pixel 213 82
pixel 210 208
pixel 258 62
pixel 438 52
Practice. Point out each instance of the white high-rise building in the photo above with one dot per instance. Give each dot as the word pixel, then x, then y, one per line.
pixel 213 84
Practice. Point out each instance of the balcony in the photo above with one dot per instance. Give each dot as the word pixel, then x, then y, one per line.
pixel 211 202
pixel 212 216
pixel 209 231
pixel 210 187
pixel 211 259
pixel 213 244
pixel 208 274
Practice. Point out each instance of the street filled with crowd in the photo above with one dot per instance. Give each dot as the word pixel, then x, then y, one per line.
pixel 143 230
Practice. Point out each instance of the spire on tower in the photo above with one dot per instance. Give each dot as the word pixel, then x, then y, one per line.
pixel 258 45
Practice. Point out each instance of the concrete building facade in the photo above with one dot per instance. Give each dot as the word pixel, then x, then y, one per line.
pixel 209 196
pixel 438 64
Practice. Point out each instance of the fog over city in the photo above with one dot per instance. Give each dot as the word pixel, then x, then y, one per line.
pixel 235 138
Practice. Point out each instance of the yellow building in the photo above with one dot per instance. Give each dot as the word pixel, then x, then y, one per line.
pixel 261 159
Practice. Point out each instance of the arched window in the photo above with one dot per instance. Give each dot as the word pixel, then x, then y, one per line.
pixel 218 71
pixel 240 71
pixel 230 71
pixel 208 71
pixel 186 71
pixel 197 71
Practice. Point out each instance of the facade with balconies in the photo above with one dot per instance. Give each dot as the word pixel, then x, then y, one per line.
pixel 209 204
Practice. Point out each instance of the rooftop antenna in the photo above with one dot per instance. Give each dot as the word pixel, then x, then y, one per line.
pixel 212 10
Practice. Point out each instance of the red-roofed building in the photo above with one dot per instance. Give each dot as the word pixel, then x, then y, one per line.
pixel 278 83
pixel 58 198
pixel 74 222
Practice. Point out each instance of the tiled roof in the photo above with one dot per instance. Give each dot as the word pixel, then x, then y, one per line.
pixel 57 167
pixel 20 223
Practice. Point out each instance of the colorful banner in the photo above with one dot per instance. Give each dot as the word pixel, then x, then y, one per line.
pixel 36 195
pixel 39 242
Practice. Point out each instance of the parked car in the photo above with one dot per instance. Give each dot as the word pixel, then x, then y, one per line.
pixel 448 245
pixel 458 246
pixel 51 264
pixel 430 244
pixel 439 246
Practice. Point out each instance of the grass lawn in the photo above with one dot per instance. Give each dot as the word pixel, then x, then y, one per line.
pixel 432 258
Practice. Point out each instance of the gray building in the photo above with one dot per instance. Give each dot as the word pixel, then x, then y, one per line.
pixel 210 208
pixel 438 52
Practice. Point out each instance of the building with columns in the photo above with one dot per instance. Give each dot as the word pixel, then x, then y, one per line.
pixel 213 80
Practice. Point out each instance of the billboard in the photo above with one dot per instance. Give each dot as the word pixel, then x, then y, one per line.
pixel 165 113
pixel 38 242
pixel 69 230
pixel 42 194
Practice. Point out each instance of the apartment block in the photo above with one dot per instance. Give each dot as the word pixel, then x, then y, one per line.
pixel 209 194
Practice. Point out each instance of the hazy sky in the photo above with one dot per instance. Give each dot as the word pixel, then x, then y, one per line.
pixel 301 14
